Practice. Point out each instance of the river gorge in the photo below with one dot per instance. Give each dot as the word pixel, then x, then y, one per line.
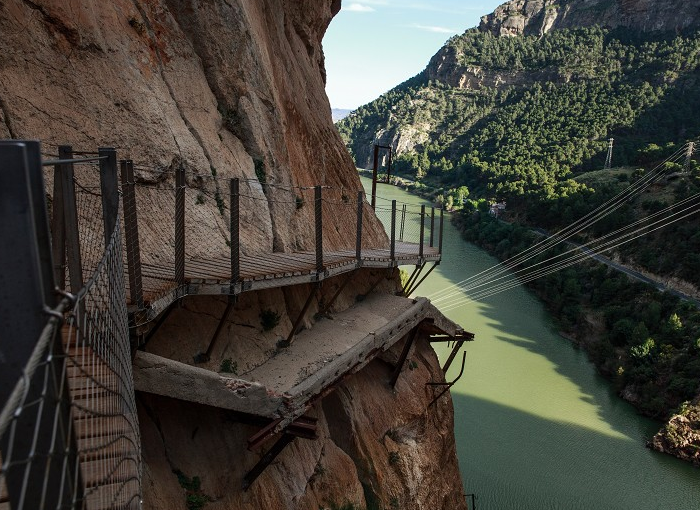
pixel 536 426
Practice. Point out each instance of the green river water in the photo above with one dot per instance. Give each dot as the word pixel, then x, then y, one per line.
pixel 536 427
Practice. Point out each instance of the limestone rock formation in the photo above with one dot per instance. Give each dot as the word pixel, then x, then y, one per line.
pixel 536 17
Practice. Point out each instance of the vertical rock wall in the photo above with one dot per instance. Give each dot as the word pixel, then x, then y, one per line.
pixel 229 88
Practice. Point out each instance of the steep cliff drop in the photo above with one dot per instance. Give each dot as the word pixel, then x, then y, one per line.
pixel 233 89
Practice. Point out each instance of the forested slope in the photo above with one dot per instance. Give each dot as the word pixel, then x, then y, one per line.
pixel 518 116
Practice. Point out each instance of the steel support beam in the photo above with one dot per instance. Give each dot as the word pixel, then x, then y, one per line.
pixel 358 236
pixel 402 359
pixel 375 168
pixel 131 234
pixel 413 289
pixel 393 232
pixel 266 460
pixel 180 227
pixel 301 316
pixel 110 191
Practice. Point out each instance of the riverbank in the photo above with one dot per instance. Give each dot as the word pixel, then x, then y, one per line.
pixel 642 340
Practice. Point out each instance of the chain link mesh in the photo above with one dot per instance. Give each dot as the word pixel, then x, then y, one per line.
pixel 80 369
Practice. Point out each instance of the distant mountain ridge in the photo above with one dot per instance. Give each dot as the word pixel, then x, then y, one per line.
pixel 537 17
pixel 339 113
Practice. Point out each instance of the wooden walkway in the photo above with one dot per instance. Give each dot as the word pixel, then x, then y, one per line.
pixel 204 276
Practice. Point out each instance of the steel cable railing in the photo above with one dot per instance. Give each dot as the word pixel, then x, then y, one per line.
pixel 69 435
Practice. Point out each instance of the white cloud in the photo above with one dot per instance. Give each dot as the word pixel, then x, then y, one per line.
pixel 358 8
pixel 439 30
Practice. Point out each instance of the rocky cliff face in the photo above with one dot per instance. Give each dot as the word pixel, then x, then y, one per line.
pixel 377 448
pixel 229 89
pixel 536 17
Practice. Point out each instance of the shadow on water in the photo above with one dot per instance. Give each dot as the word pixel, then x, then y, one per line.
pixel 536 426
pixel 515 460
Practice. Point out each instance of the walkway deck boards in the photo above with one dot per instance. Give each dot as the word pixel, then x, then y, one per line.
pixel 212 276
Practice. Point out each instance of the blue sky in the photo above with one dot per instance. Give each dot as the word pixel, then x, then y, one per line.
pixel 373 45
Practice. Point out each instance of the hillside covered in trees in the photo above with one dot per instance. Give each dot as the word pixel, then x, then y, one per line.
pixel 513 116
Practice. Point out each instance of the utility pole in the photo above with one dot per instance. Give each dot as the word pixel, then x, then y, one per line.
pixel 689 156
pixel 608 160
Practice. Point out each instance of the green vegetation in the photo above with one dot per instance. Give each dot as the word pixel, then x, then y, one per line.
pixel 195 499
pixel 229 366
pixel 575 89
pixel 269 319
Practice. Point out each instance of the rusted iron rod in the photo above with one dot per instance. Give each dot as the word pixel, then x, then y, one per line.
pixel 235 235
pixel 413 289
pixel 402 359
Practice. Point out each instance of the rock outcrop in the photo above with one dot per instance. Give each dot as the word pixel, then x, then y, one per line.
pixel 537 17
pixel 680 436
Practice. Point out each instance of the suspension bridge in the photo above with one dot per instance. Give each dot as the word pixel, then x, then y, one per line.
pixel 88 278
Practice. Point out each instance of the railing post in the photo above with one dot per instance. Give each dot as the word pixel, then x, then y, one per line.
pixel 180 226
pixel 393 230
pixel 58 224
pixel 110 190
pixel 358 238
pixel 422 231
pixel 440 240
pixel 38 445
pixel 375 168
pixel 131 234
pixel 235 235
pixel 432 227
pixel 403 222
pixel 318 209
pixel 70 213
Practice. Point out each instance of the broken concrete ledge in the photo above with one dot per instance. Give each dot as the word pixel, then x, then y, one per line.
pixel 161 376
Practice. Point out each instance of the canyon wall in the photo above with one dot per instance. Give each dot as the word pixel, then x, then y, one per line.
pixel 230 89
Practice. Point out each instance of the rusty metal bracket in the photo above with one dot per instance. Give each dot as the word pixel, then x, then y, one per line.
pixel 327 307
pixel 203 358
pixel 446 384
pixel 302 314
pixel 416 271
pixel 402 359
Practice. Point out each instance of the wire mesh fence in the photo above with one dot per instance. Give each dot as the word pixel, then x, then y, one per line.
pixel 69 435
pixel 189 244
